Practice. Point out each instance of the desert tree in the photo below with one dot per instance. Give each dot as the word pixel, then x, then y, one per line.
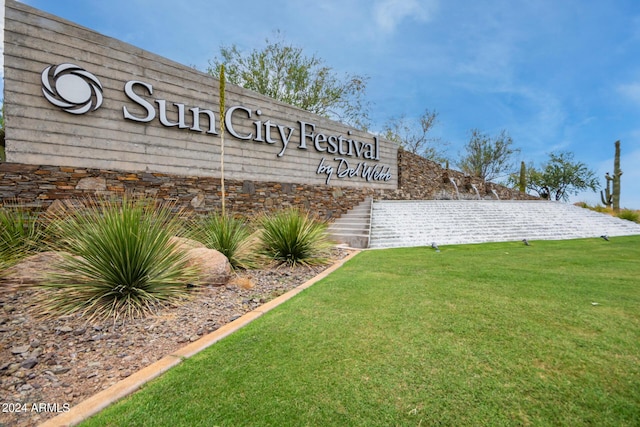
pixel 284 72
pixel 488 157
pixel 560 177
pixel 414 135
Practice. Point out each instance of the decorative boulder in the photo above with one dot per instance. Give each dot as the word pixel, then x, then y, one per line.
pixel 184 244
pixel 32 270
pixel 213 266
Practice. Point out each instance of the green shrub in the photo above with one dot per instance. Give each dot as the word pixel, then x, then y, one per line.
pixel 20 234
pixel 293 237
pixel 120 260
pixel 630 215
pixel 229 235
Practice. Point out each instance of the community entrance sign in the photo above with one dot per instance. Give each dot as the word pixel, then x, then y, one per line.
pixel 77 98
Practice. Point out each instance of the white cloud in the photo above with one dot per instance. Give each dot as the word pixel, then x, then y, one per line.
pixel 388 14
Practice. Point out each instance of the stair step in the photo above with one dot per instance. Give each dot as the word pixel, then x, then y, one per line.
pixel 353 228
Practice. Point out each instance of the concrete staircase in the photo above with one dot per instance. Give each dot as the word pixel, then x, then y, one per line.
pixel 446 222
pixel 353 228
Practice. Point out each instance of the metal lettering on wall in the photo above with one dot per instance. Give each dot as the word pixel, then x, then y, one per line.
pixel 77 91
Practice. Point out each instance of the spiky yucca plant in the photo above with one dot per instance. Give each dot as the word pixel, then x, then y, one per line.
pixel 229 235
pixel 20 234
pixel 294 237
pixel 120 260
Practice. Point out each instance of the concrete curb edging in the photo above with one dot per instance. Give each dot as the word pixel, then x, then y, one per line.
pixel 127 386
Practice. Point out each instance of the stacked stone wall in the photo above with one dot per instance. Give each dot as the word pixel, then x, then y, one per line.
pixel 422 179
pixel 419 179
pixel 40 186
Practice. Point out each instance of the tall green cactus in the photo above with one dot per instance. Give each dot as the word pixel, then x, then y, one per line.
pixel 605 195
pixel 522 183
pixel 617 173
pixel 611 198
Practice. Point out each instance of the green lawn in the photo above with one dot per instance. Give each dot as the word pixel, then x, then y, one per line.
pixel 492 334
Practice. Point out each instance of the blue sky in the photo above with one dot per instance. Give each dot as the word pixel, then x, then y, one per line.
pixel 557 75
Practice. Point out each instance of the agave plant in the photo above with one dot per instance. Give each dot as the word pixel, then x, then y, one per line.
pixel 120 260
pixel 229 235
pixel 294 237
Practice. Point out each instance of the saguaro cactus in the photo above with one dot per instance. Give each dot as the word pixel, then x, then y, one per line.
pixel 617 173
pixel 605 195
pixel 522 183
pixel 611 197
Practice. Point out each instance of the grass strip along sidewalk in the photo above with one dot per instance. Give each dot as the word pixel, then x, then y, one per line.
pixel 491 334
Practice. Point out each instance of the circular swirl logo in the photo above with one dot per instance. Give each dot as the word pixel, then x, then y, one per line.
pixel 71 88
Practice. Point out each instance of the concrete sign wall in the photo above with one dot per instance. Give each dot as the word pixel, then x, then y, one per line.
pixel 76 98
